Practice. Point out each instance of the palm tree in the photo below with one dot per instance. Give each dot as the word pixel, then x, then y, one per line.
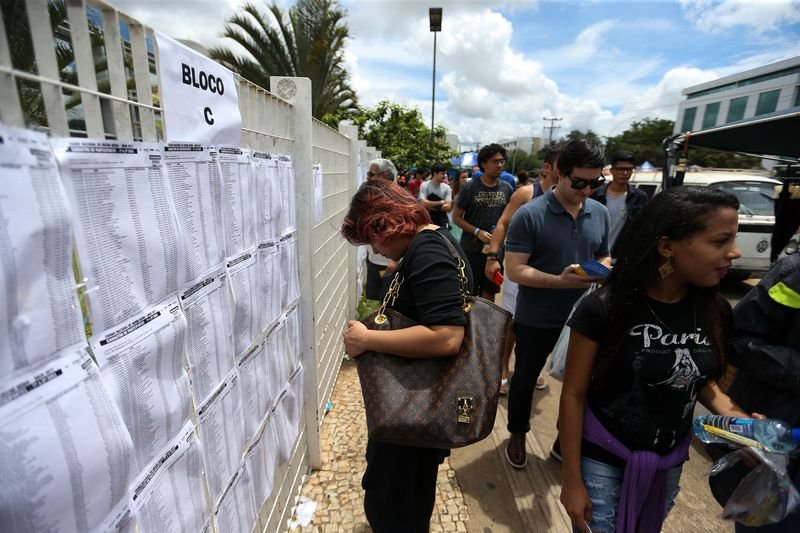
pixel 307 41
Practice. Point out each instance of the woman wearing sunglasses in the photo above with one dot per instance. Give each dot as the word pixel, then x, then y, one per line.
pixel 642 350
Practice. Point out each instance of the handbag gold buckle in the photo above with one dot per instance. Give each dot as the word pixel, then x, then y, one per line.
pixel 465 406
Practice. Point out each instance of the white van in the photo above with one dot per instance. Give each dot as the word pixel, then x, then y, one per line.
pixel 756 193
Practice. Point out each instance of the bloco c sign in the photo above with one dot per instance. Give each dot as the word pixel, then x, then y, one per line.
pixel 198 96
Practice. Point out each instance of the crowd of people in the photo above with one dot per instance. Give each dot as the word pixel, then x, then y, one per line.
pixel 646 343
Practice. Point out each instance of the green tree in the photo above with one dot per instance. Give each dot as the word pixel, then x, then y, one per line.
pixel 644 139
pixel 588 134
pixel 520 160
pixel 400 134
pixel 306 41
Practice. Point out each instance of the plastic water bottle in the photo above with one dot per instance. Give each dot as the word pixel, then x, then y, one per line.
pixel 774 435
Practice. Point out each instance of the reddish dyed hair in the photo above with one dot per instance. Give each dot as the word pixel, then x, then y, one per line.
pixel 380 211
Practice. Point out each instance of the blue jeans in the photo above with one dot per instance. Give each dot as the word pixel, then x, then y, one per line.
pixel 603 483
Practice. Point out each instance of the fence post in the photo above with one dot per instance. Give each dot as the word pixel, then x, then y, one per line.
pixel 297 91
pixel 351 132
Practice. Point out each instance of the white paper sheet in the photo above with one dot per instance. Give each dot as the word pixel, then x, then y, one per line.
pixel 278 353
pixel 243 280
pixel 198 95
pixel 142 365
pixel 234 510
pixel 169 494
pixel 258 392
pixel 293 338
pixel 289 272
pixel 195 185
pixel 221 433
pixel 40 314
pixel 270 283
pixel 209 350
pixel 238 195
pixel 288 217
pixel 318 192
pixel 65 456
pixel 268 196
pixel 261 461
pixel 126 233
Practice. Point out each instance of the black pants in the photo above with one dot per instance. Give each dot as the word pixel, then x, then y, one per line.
pixel 533 347
pixel 477 263
pixel 400 487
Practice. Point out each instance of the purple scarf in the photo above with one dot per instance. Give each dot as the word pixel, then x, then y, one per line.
pixel 642 497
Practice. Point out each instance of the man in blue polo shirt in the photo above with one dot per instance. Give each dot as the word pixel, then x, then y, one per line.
pixel 548 238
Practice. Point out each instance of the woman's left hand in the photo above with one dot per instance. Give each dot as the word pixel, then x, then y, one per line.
pixel 355 338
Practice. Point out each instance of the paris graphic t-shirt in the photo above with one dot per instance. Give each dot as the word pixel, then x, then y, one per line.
pixel 647 398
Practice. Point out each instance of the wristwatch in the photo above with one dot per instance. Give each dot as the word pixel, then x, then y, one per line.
pixel 493 255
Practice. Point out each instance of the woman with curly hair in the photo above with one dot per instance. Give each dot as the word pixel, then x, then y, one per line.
pixel 400 481
pixel 642 350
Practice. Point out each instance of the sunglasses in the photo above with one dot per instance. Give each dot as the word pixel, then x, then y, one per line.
pixel 580 183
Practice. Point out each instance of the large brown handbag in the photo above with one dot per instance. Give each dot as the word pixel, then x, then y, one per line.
pixel 436 402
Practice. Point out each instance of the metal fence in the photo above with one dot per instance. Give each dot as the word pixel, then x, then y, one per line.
pixel 85 69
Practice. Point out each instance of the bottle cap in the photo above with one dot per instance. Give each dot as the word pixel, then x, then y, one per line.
pixel 796 435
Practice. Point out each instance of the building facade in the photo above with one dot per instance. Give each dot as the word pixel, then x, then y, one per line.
pixel 752 93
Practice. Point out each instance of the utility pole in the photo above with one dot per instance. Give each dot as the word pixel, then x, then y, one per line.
pixel 552 126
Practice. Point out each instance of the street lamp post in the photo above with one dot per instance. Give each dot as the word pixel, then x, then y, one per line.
pixel 435 19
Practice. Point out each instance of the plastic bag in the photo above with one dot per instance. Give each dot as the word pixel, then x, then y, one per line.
pixel 558 357
pixel 765 495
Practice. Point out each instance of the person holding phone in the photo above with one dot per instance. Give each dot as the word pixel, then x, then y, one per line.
pixel 547 240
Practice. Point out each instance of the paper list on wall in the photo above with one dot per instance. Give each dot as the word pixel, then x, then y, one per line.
pixel 40 315
pixel 238 193
pixel 65 454
pixel 234 510
pixel 268 196
pixel 243 280
pixel 169 494
pixel 209 350
pixel 270 288
pixel 287 415
pixel 142 364
pixel 258 392
pixel 318 192
pixel 195 185
pixel 278 353
pixel 291 282
pixel 293 338
pixel 286 181
pixel 261 461
pixel 221 433
pixel 126 234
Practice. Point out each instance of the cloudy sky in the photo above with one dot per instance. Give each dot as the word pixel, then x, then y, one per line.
pixel 501 67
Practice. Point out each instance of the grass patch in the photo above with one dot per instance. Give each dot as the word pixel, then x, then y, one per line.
pixel 365 307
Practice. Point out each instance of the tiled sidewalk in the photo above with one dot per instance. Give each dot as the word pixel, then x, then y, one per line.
pixel 336 487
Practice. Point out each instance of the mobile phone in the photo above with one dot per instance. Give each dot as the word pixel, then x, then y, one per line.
pixel 497 279
pixel 593 268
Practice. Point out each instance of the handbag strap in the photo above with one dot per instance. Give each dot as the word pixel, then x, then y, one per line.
pixel 397 280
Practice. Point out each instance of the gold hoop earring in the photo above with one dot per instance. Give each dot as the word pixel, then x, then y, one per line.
pixel 666 268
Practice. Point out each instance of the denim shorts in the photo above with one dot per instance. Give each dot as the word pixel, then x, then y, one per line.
pixel 603 483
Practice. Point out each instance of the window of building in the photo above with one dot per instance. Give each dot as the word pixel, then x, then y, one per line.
pixel 710 115
pixel 796 97
pixel 736 109
pixel 688 118
pixel 767 102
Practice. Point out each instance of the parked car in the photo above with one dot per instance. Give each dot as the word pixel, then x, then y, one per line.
pixel 756 193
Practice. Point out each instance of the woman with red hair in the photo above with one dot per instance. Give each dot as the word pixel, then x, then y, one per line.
pixel 400 481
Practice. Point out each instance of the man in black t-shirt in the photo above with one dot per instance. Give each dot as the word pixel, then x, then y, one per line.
pixel 478 208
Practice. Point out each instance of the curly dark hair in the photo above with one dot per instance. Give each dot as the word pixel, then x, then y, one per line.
pixel 488 151
pixel 678 214
pixel 382 210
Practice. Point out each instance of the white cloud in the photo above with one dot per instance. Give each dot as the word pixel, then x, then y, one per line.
pixel 757 16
